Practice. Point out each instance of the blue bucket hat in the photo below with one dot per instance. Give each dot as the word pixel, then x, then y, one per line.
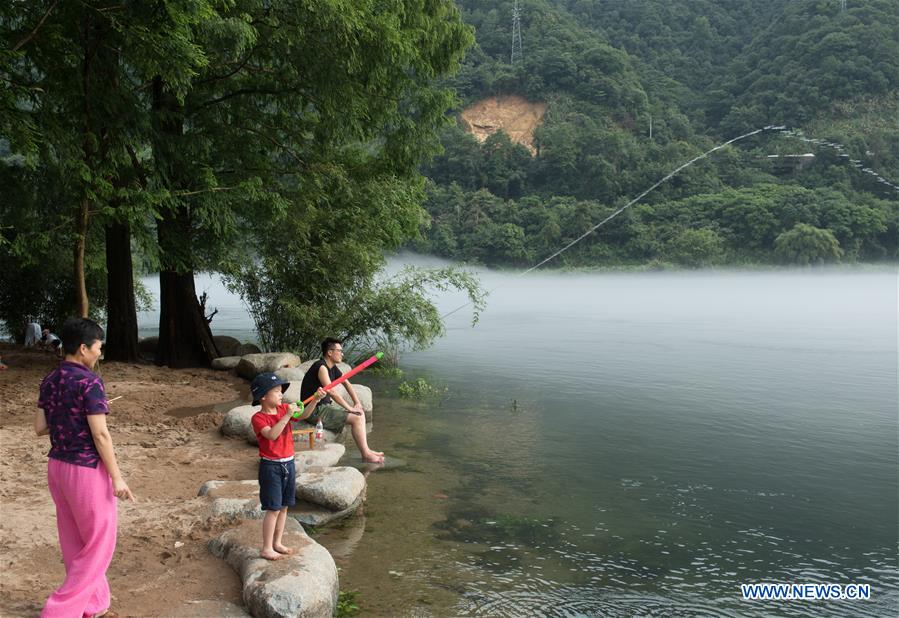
pixel 263 383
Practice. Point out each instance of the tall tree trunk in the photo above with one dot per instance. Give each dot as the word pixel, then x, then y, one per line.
pixel 81 301
pixel 82 218
pixel 185 339
pixel 121 313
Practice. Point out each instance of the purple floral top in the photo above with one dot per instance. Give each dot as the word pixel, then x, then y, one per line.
pixel 68 394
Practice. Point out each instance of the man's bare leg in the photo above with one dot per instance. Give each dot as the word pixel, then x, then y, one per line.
pixel 357 426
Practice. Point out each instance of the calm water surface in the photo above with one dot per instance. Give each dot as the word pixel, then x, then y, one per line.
pixel 640 444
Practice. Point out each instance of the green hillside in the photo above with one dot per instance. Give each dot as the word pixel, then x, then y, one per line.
pixel 694 74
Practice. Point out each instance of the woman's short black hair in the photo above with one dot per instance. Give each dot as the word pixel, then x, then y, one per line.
pixel 77 331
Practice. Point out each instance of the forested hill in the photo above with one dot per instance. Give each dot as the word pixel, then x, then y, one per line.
pixel 633 89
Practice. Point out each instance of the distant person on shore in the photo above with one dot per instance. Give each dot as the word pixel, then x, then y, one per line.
pixel 50 341
pixel 32 334
pixel 277 469
pixel 333 411
pixel 82 473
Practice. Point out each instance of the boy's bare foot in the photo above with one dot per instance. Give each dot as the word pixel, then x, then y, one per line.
pixel 283 549
pixel 270 555
pixel 373 457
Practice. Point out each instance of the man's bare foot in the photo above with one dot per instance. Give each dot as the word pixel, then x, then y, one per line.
pixel 270 555
pixel 283 549
pixel 373 457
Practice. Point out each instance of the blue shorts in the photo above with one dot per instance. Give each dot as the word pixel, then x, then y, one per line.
pixel 277 484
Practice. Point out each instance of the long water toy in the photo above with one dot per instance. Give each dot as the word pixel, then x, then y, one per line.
pixel 349 374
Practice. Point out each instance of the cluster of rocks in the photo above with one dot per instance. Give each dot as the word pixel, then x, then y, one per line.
pixel 227 347
pixel 306 582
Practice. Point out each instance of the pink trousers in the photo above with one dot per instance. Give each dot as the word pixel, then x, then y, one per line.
pixel 86 519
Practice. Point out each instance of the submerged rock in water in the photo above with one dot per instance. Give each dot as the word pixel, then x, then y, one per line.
pixel 303 584
pixel 317 516
pixel 390 463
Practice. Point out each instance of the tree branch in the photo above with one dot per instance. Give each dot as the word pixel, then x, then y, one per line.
pixel 199 191
pixel 240 65
pixel 36 28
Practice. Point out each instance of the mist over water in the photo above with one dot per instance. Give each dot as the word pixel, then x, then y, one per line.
pixel 640 443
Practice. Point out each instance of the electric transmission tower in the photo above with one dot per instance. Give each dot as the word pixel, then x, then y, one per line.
pixel 516 34
pixel 842 6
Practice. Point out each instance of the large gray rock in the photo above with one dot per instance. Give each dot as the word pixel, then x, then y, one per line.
pixel 223 363
pixel 247 348
pixel 304 584
pixel 294 375
pixel 251 365
pixel 227 346
pixel 237 421
pixel 333 488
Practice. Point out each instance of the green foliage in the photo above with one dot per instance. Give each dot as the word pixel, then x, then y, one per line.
pixel 696 248
pixel 276 143
pixel 346 604
pixel 349 303
pixel 420 389
pixel 806 245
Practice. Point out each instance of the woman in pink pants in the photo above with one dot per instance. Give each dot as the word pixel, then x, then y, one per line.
pixel 82 473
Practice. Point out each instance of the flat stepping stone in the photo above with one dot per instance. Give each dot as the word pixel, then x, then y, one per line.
pixel 303 584
pixel 324 455
pixel 235 499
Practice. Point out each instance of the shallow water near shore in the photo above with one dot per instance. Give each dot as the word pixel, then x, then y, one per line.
pixel 624 444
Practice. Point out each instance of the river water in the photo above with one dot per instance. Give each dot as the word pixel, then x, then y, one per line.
pixel 639 444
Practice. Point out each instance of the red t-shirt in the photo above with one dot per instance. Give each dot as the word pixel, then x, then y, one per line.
pixel 280 447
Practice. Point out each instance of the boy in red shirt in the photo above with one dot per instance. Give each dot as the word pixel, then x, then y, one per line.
pixel 277 470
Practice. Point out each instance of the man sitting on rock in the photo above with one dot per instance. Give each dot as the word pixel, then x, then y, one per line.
pixel 333 411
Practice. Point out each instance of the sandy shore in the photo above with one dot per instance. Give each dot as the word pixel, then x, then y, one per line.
pixel 161 563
